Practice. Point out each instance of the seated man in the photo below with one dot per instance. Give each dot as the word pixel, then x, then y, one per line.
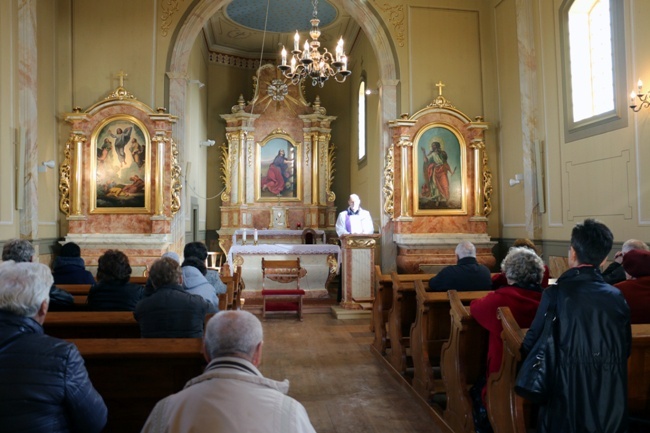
pixel 170 312
pixel 200 251
pixel 21 250
pixel 466 275
pixel 636 288
pixel 44 385
pixel 614 273
pixel 70 268
pixel 231 395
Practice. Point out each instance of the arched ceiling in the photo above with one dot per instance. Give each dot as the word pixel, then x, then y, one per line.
pixel 238 28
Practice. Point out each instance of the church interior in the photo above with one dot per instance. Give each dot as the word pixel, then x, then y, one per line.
pixel 144 125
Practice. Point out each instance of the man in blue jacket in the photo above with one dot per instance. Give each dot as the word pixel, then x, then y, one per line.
pixel 466 275
pixel 44 386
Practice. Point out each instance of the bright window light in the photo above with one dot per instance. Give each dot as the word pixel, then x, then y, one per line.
pixel 361 121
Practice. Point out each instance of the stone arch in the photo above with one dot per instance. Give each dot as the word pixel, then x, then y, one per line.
pixel 382 46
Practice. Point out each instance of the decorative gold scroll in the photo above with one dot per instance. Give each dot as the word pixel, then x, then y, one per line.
pixel 227 159
pixel 329 173
pixel 360 243
pixel 176 186
pixel 389 181
pixel 65 173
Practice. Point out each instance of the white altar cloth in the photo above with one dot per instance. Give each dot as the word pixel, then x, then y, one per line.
pixel 313 258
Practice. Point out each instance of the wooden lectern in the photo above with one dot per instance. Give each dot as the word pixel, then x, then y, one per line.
pixel 357 274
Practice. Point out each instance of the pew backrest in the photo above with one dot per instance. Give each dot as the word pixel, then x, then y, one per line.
pixel 91 324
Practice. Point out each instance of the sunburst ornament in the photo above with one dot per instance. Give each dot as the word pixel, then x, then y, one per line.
pixel 277 90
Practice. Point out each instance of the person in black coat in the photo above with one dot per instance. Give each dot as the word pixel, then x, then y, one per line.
pixel 170 312
pixel 113 292
pixel 588 392
pixel 44 386
pixel 466 275
pixel 70 268
pixel 21 250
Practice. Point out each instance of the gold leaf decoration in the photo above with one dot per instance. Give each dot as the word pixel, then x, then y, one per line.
pixel 168 9
pixel 65 173
pixel 389 181
pixel 329 173
pixel 176 185
pixel 397 19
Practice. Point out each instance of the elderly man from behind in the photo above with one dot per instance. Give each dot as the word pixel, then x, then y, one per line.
pixel 466 275
pixel 44 386
pixel 21 250
pixel 614 273
pixel 231 395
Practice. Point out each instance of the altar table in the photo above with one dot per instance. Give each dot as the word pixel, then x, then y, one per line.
pixel 321 262
pixel 273 236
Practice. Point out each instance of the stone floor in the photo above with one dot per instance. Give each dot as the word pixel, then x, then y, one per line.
pixel 335 376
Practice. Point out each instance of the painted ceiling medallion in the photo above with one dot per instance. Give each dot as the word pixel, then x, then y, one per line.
pixel 284 16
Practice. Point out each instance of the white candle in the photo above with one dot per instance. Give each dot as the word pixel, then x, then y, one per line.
pixel 344 59
pixel 255 235
pixel 632 97
pixel 284 57
pixel 639 85
pixel 296 41
pixel 243 236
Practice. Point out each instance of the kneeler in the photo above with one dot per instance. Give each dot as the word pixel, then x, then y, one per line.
pixel 282 300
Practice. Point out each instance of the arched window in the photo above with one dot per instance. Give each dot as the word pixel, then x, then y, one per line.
pixel 594 67
pixel 361 121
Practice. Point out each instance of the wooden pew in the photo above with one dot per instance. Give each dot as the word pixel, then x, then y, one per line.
pixel 132 375
pixel 501 394
pixel 231 300
pixel 75 289
pixel 91 324
pixel 380 309
pixel 509 413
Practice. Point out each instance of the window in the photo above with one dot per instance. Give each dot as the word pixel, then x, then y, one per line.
pixel 594 67
pixel 361 121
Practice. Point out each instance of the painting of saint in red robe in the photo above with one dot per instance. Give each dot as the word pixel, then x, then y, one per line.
pixel 277 169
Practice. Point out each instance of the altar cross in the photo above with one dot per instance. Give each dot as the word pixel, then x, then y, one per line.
pixel 121 76
pixel 440 86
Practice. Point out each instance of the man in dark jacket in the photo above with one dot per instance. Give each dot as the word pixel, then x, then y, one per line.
pixel 614 273
pixel 592 338
pixel 467 274
pixel 170 312
pixel 70 268
pixel 21 250
pixel 44 386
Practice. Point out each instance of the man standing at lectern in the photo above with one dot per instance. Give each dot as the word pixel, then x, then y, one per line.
pixel 354 220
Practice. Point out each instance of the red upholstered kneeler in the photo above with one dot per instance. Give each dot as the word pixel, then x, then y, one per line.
pixel 282 300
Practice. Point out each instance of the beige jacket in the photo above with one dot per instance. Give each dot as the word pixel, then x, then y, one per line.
pixel 230 396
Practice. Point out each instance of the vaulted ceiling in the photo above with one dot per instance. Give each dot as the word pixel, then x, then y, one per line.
pixel 242 27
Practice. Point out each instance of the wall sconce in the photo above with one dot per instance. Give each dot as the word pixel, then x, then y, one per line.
pixel 643 97
pixel 372 91
pixel 517 180
pixel 206 143
pixel 197 82
pixel 45 165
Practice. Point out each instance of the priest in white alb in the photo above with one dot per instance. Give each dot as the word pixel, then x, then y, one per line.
pixel 354 220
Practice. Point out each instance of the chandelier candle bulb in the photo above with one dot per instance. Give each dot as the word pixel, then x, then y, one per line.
pixel 296 41
pixel 639 85
pixel 632 97
pixel 284 57
pixel 344 60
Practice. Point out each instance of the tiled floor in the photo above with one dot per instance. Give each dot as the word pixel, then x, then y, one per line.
pixel 335 376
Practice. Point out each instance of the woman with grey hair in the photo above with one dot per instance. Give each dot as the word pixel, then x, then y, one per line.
pixel 524 270
pixel 44 385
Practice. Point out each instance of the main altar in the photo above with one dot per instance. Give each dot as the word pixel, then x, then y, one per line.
pixel 277 169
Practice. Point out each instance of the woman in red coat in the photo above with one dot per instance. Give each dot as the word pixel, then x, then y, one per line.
pixel 524 270
pixel 636 288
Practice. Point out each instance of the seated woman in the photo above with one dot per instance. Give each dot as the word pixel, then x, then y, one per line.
pixel 70 268
pixel 170 312
pixel 113 292
pixel 636 287
pixel 194 282
pixel 524 271
pixel 500 280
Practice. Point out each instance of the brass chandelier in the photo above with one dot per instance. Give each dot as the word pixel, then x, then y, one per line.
pixel 310 63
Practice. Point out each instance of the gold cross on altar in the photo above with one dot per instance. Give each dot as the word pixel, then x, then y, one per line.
pixel 440 86
pixel 121 76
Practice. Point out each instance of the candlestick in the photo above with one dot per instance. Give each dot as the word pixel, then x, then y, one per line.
pixel 243 237
pixel 255 236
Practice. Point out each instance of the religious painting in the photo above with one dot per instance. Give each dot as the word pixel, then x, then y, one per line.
pixel 120 166
pixel 439 171
pixel 278 169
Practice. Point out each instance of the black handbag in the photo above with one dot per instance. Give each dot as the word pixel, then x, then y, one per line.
pixel 537 372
